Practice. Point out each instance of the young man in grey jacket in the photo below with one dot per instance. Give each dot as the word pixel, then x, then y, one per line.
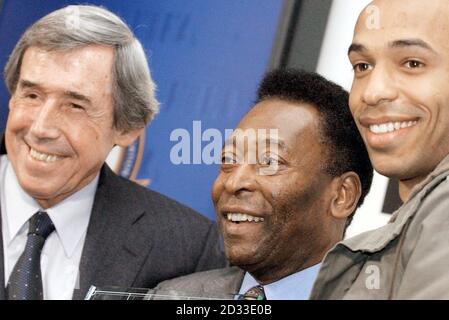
pixel 400 102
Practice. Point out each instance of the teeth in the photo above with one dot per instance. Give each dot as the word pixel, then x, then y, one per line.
pixel 391 126
pixel 239 217
pixel 42 156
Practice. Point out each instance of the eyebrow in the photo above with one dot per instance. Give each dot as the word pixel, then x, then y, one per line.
pixel 356 47
pixel 281 144
pixel 402 43
pixel 68 93
pixel 77 96
pixel 28 84
pixel 268 142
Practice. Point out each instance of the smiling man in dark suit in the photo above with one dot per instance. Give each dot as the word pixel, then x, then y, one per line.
pixel 77 90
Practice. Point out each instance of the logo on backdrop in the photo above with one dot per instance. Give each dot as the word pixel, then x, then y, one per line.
pixel 126 161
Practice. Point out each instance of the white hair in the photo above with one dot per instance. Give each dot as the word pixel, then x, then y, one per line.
pixel 73 27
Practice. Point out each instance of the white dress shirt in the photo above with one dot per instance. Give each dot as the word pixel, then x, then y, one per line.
pixel 61 254
pixel 296 286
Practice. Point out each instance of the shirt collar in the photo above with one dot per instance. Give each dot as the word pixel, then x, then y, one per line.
pixel 296 286
pixel 19 206
pixel 70 216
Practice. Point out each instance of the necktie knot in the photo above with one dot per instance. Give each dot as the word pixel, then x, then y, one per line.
pixel 41 225
pixel 255 293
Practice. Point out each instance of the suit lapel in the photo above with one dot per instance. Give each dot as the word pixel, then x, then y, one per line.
pixel 237 274
pixel 2 145
pixel 2 258
pixel 228 281
pixel 116 243
pixel 2 263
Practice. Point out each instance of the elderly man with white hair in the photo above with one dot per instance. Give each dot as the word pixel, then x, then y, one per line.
pixel 67 221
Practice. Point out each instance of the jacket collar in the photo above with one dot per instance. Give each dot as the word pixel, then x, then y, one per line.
pixel 2 262
pixel 229 281
pixel 2 265
pixel 2 144
pixel 376 240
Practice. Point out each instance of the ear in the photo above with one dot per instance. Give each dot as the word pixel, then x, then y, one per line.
pixel 125 138
pixel 348 190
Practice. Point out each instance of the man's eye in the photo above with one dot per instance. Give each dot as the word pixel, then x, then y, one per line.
pixel 31 96
pixel 414 64
pixel 268 160
pixel 76 106
pixel 228 159
pixel 361 67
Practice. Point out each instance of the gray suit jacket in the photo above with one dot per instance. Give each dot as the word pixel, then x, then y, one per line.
pixel 137 238
pixel 219 283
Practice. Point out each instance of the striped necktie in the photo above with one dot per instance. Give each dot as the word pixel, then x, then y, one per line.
pixel 255 293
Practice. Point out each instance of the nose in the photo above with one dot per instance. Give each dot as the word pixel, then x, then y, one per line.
pixel 241 179
pixel 380 87
pixel 45 121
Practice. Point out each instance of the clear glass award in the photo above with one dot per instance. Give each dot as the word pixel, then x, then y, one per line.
pixel 116 293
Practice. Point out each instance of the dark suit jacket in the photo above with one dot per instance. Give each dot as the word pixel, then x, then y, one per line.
pixel 137 238
pixel 219 284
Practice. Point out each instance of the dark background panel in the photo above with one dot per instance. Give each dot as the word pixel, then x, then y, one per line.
pixel 300 34
pixel 392 200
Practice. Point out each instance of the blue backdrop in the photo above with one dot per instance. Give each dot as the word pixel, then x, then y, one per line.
pixel 206 56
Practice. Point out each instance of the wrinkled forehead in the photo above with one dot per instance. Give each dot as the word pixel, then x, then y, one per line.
pixel 86 71
pixel 277 125
pixel 391 19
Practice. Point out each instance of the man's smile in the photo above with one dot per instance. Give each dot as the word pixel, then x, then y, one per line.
pixel 391 126
pixel 242 217
pixel 383 131
pixel 239 221
pixel 44 157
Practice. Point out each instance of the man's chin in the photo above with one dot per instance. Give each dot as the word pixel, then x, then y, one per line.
pixel 244 258
pixel 389 166
pixel 399 171
pixel 41 194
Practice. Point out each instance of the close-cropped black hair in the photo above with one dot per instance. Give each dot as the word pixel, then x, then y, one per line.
pixel 346 150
